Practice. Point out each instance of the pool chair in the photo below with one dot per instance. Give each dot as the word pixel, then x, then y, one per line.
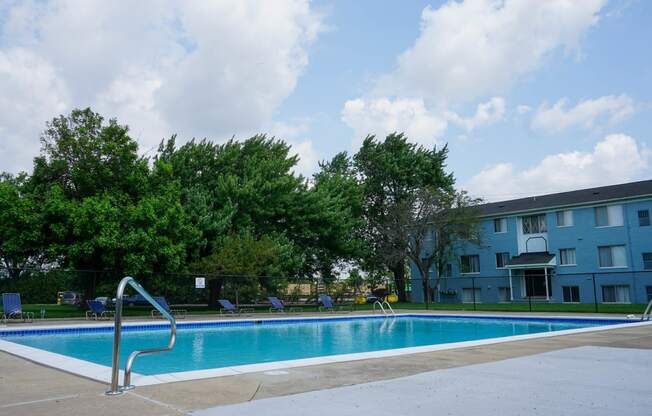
pixel 177 313
pixel 327 305
pixel 97 310
pixel 228 307
pixel 278 306
pixel 12 308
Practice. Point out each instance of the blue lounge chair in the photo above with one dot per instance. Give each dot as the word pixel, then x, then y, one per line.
pixel 327 304
pixel 227 306
pixel 12 308
pixel 278 306
pixel 97 310
pixel 177 313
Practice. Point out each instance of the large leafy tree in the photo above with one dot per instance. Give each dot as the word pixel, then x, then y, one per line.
pixel 101 208
pixel 391 171
pixel 86 156
pixel 428 227
pixel 21 226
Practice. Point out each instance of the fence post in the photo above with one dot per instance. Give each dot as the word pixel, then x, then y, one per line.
pixel 473 291
pixel 595 293
pixel 528 281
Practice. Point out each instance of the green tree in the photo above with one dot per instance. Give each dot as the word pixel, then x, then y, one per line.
pixel 391 171
pixel 86 156
pixel 246 261
pixel 20 226
pixel 428 227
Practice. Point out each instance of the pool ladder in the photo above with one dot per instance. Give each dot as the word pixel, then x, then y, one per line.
pixel 646 314
pixel 382 306
pixel 116 389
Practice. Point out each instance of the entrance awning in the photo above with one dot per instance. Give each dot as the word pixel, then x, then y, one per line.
pixel 541 259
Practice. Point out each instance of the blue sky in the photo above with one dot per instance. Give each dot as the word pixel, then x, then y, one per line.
pixel 530 96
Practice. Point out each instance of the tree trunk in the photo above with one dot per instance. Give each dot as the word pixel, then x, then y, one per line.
pixel 399 280
pixel 214 291
pixel 426 287
pixel 91 285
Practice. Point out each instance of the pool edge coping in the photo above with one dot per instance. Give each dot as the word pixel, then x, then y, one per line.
pixel 101 373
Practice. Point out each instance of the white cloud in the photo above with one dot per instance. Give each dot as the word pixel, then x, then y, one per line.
pixel 469 50
pixel 585 114
pixel 205 69
pixel 295 135
pixel 476 47
pixel 383 116
pixel 523 109
pixel 31 93
pixel 617 158
pixel 486 113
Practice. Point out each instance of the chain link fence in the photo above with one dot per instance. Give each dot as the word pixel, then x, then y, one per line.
pixel 613 291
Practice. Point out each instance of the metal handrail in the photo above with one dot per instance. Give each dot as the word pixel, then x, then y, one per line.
pixel 646 314
pixel 115 366
pixel 377 302
pixel 382 307
pixel 389 307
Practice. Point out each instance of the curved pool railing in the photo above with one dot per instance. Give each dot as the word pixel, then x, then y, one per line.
pixel 115 366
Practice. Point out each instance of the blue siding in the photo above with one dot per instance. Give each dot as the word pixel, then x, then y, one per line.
pixel 583 236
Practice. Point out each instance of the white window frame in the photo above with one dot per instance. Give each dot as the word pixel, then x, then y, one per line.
pixel 496 257
pixel 542 224
pixel 611 216
pixel 503 225
pixel 567 215
pixel 629 299
pixel 579 297
pixel 612 256
pixel 469 255
pixel 644 261
pixel 478 295
pixel 561 257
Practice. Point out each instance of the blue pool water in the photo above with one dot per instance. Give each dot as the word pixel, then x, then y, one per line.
pixel 214 345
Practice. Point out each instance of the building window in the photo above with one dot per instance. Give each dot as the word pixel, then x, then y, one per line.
pixel 571 294
pixel 609 216
pixel 564 218
pixel 501 260
pixel 648 292
pixel 470 264
pixel 567 257
pixel 643 218
pixel 504 294
pixel 615 294
pixel 534 224
pixel 612 256
pixel 647 261
pixel 448 270
pixel 500 225
pixel 470 295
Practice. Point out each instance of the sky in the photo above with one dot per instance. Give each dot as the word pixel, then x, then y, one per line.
pixel 530 96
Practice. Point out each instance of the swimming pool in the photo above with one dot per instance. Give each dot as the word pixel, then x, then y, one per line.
pixel 236 344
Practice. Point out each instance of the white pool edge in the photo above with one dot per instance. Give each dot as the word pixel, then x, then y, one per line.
pixel 102 373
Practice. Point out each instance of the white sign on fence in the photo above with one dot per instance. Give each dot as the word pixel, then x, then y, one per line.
pixel 200 282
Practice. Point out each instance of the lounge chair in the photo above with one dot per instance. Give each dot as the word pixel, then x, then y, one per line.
pixel 327 304
pixel 12 308
pixel 278 306
pixel 97 310
pixel 177 313
pixel 228 307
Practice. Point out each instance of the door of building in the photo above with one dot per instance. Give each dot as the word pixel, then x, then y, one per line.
pixel 535 283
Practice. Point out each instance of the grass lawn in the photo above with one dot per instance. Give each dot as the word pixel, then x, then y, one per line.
pixel 69 311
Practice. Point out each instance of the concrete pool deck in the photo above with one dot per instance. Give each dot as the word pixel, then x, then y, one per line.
pixel 30 389
pixel 595 381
